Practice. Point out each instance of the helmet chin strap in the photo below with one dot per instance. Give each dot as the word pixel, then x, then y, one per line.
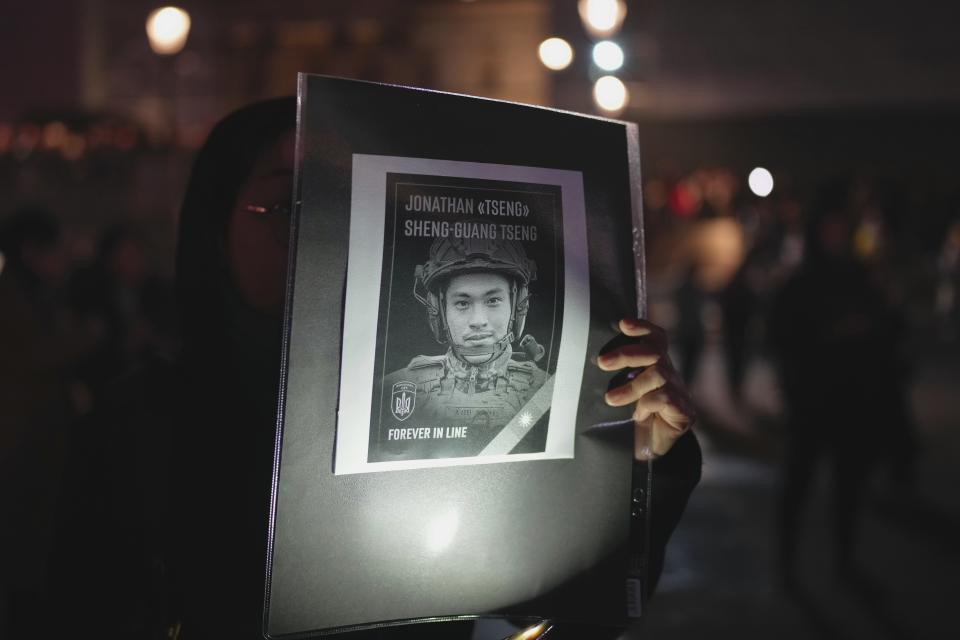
pixel 492 352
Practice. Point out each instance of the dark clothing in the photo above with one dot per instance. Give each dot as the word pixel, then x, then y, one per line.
pixel 691 338
pixel 36 354
pixel 169 482
pixel 134 320
pixel 167 514
pixel 836 344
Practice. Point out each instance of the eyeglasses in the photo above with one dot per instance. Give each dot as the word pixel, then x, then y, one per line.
pixel 275 209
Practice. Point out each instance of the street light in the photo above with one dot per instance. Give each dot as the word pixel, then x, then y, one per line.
pixel 167 30
pixel 610 94
pixel 608 55
pixel 556 53
pixel 761 182
pixel 602 18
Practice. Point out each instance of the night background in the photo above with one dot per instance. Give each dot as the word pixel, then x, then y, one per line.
pixel 851 108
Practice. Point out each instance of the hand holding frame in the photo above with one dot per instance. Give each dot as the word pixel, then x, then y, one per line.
pixel 663 409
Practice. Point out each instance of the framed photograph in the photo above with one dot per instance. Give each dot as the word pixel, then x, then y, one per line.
pixel 443 448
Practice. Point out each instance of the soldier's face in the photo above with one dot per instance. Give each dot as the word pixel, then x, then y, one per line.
pixel 478 313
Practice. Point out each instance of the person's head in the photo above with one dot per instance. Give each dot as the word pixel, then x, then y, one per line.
pixel 258 233
pixel 232 241
pixel 829 228
pixel 476 292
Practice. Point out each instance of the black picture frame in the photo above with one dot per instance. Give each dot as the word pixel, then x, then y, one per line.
pixel 540 538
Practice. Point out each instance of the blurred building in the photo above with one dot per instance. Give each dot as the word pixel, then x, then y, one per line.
pixel 248 50
pixel 683 58
pixel 95 125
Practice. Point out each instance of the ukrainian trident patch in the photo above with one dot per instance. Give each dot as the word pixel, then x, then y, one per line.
pixel 403 399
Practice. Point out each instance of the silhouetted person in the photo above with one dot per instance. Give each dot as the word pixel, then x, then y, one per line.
pixel 38 347
pixel 738 302
pixel 946 306
pixel 832 336
pixel 134 309
pixel 165 521
pixel 689 299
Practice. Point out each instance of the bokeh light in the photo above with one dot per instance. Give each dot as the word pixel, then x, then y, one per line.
pixel 761 182
pixel 610 94
pixel 602 17
pixel 167 30
pixel 534 632
pixel 608 55
pixel 556 53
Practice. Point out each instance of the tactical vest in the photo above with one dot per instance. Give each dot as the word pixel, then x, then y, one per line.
pixel 471 409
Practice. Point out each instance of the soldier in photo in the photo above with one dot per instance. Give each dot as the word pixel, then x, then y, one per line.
pixel 476 293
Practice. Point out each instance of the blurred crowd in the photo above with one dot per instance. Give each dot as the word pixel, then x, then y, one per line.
pixel 722 262
pixel 69 325
pixel 840 289
pixel 841 285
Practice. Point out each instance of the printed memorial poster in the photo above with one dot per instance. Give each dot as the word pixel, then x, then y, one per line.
pixel 460 343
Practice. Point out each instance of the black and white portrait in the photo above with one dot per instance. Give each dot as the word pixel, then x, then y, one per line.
pixel 476 298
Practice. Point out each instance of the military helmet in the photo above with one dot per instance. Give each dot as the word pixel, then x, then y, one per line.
pixel 451 256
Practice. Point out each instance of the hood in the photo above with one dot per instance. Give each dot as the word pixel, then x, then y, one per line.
pixel 216 326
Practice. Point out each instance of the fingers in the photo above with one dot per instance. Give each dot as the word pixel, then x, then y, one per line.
pixel 640 353
pixel 643 383
pixel 656 391
pixel 660 419
pixel 638 327
pixel 644 343
pixel 669 403
pixel 653 439
pixel 663 410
